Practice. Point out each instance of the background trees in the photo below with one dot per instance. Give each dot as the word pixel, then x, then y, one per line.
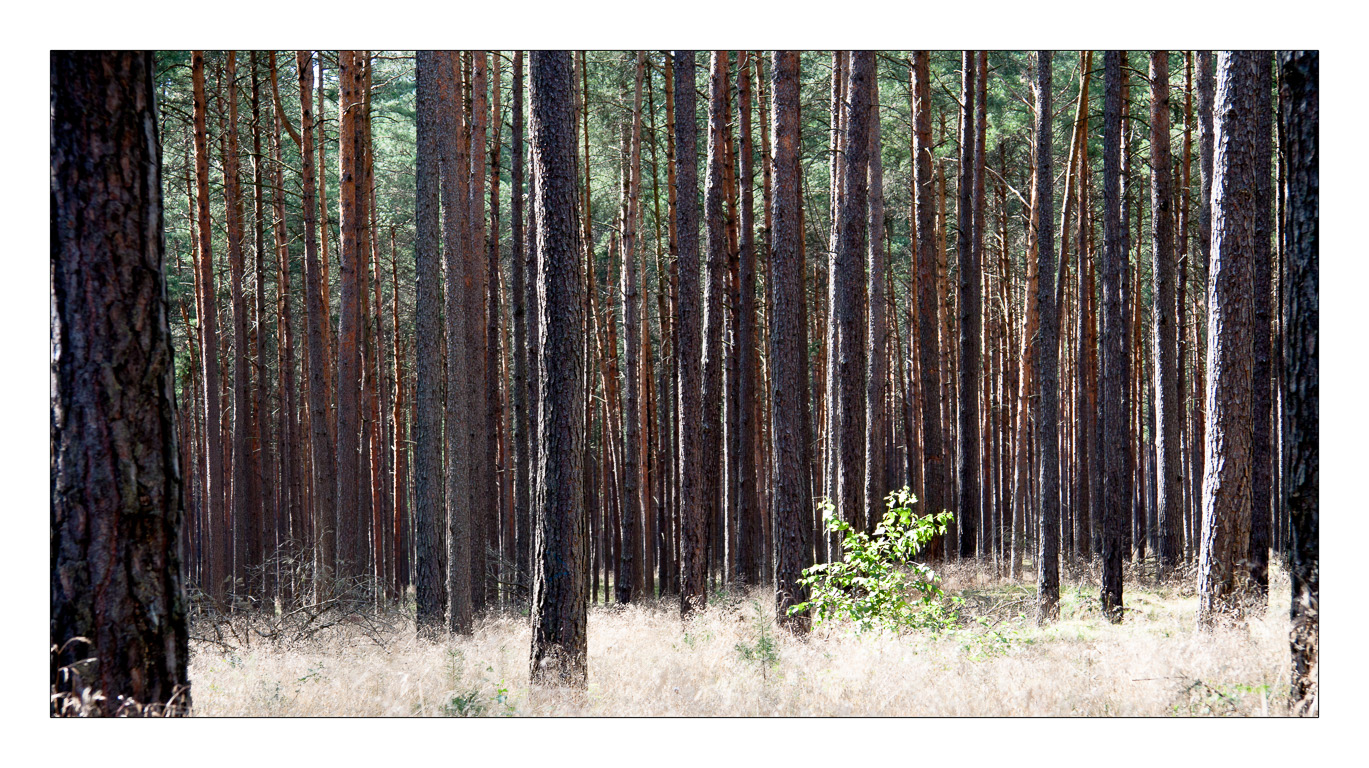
pixel 810 354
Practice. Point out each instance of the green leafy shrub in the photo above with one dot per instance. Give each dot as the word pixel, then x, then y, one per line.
pixel 877 585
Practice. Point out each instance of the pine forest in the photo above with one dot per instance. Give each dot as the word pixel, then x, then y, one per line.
pixel 632 383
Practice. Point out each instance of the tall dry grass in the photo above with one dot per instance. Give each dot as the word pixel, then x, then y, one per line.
pixel 731 660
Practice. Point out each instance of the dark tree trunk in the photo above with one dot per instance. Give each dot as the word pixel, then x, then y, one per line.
pixel 1114 387
pixel 876 484
pixel 1169 473
pixel 1299 96
pixel 749 514
pixel 1261 401
pixel 790 497
pixel 935 493
pixel 240 491
pixel 1222 567
pixel 117 616
pixel 848 280
pixel 461 381
pixel 693 522
pixel 316 291
pixel 1047 362
pixel 967 433
pixel 560 600
pixel 522 442
pixel 715 271
pixel 430 564
pixel 631 576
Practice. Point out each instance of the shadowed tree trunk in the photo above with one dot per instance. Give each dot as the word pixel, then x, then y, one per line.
pixel 848 279
pixel 877 331
pixel 117 618
pixel 560 599
pixel 521 422
pixel 790 498
pixel 315 289
pixel 967 434
pixel 693 523
pixel 1047 362
pixel 715 272
pixel 1114 388
pixel 430 551
pixel 749 514
pixel 1299 97
pixel 1169 473
pixel 1261 296
pixel 936 490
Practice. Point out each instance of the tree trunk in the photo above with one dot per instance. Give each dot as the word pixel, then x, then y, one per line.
pixel 1114 387
pixel 935 493
pixel 876 483
pixel 848 279
pixel 1047 363
pixel 1222 567
pixel 790 499
pixel 429 507
pixel 1299 95
pixel 1261 402
pixel 1169 489
pixel 560 601
pixel 967 433
pixel 117 617
pixel 693 522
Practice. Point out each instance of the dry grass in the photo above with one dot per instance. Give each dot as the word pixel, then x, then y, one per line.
pixel 731 660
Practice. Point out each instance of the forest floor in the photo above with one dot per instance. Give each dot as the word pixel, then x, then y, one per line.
pixel 731 660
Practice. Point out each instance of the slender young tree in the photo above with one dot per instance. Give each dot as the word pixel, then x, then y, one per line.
pixel 790 498
pixel 241 519
pixel 1222 568
pixel 1299 96
pixel 117 498
pixel 693 523
pixel 1047 363
pixel 560 598
pixel 1114 386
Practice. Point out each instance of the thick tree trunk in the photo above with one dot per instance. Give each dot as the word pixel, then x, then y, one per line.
pixel 1222 567
pixel 429 507
pixel 790 499
pixel 1114 387
pixel 560 600
pixel 117 499
pixel 1299 113
pixel 693 522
